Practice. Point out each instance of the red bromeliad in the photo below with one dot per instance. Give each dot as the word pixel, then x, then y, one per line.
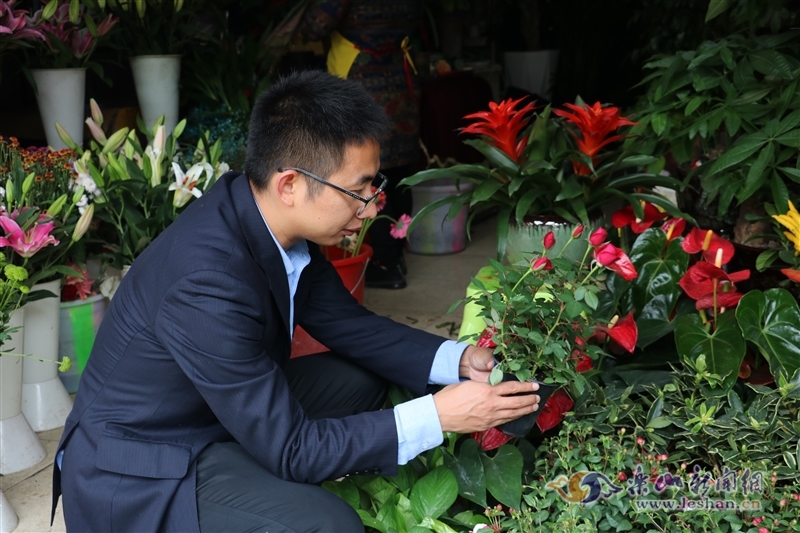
pixel 595 124
pixel 626 217
pixel 502 124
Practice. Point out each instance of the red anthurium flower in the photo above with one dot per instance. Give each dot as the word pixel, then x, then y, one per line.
pixel 792 274
pixel 491 438
pixel 702 277
pixel 584 362
pixel 708 242
pixel 624 331
pixel 595 124
pixel 674 228
pixel 724 299
pixel 542 263
pixel 615 259
pixel 553 411
pixel 549 240
pixel 598 237
pixel 485 340
pixel 502 124
pixel 625 217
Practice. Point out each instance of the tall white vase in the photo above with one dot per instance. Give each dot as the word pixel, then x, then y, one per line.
pixel 8 518
pixel 19 446
pixel 156 79
pixel 60 94
pixel 45 401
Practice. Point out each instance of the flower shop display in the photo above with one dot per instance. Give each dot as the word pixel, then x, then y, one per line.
pixel 60 61
pixel 567 166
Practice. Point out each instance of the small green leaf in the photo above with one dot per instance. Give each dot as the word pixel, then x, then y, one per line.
pixel 591 300
pixel 716 8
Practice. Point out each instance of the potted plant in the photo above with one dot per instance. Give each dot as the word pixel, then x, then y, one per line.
pixel 60 61
pixel 565 166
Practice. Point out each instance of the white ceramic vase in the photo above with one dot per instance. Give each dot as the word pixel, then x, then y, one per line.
pixel 156 79
pixel 19 446
pixel 60 94
pixel 45 401
pixel 8 518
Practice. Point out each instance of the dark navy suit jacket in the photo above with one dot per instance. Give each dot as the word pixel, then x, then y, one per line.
pixel 190 353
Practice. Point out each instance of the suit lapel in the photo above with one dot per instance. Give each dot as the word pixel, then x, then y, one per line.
pixel 261 244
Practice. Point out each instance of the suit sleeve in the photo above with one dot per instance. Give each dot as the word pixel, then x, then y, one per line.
pixel 213 325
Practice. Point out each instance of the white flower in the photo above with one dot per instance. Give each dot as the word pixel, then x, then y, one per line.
pixel 82 204
pixel 185 184
pixel 222 168
pixel 2 192
pixel 85 180
pixel 480 527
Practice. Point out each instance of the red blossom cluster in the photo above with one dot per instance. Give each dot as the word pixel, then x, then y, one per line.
pixel 502 124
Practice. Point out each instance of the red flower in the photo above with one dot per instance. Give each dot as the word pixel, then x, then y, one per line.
pixel 674 228
pixel 485 340
pixel 577 232
pixel 792 274
pixel 553 411
pixel 625 217
pixel 542 263
pixel 598 237
pixel 708 242
pixel 584 362
pixel 624 332
pixel 595 124
pixel 615 259
pixel 703 279
pixel 549 240
pixel 502 124
pixel 491 438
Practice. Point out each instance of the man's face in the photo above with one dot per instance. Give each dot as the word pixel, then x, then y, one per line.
pixel 332 215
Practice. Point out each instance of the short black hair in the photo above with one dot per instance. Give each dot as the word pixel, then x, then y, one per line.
pixel 306 120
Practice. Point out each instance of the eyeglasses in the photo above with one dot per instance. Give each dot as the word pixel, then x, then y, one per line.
pixel 367 201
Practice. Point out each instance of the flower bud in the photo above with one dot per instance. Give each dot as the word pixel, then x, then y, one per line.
pixel 9 192
pixel 115 141
pixel 97 115
pixel 96 131
pixel 598 237
pixel 606 254
pixel 78 194
pixel 640 441
pixel 549 240
pixel 542 263
pixel 28 183
pixel 83 223
pixel 65 137
pixel 57 206
pixel 577 232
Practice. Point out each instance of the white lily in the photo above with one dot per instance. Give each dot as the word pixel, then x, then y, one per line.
pixel 185 184
pixel 155 153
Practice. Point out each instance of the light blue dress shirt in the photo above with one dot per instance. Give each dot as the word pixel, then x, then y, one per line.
pixel 417 421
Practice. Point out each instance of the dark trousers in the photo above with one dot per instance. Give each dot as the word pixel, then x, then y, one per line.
pixel 236 494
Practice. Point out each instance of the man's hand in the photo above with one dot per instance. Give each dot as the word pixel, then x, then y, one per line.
pixel 476 364
pixel 471 406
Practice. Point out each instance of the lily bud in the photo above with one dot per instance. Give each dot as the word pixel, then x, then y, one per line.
pixel 140 7
pixel 115 141
pixel 160 139
pixel 50 9
pixel 9 192
pixel 598 237
pixel 178 5
pixel 97 115
pixel 65 137
pixel 576 234
pixel 77 196
pixel 549 240
pixel 28 183
pixel 103 160
pixel 178 129
pixel 57 206
pixel 96 131
pixel 129 150
pixel 83 223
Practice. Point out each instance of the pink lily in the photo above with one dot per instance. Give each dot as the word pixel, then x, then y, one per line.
pixel 105 26
pixel 26 243
pixel 81 43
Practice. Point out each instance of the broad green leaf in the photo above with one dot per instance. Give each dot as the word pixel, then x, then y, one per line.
pixel 771 63
pixel 693 104
pixel 504 475
pixel 346 490
pixel 379 490
pixel 716 8
pixel 780 193
pixel 723 347
pixel 792 173
pixel 765 259
pixel 659 123
pixel 735 155
pixel 475 173
pixel 497 158
pixel 391 516
pixel 370 521
pixel 659 422
pixel 756 176
pixel 732 123
pixel 771 321
pixel 485 191
pixel 434 493
pixel 570 189
pixel 654 319
pixel 468 471
pixel 752 96
pixel 791 138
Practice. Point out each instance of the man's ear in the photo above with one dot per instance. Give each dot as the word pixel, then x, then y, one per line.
pixel 288 187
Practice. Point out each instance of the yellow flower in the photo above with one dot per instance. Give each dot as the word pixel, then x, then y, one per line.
pixel 791 221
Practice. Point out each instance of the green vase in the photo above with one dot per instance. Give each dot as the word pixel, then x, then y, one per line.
pixel 525 241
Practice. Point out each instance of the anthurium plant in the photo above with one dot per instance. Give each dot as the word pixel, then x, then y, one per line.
pixel 564 163
pixel 140 190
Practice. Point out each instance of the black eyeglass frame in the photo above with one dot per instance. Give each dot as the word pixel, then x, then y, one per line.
pixel 351 194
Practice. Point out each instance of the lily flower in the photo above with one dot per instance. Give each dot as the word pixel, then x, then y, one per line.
pixel 185 184
pixel 26 243
pixel 81 43
pixel 615 259
pixel 96 131
pixel 626 217
pixel 105 26
pixel 595 123
pixel 502 124
pixel 708 242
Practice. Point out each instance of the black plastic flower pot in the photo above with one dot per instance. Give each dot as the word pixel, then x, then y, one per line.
pixel 523 425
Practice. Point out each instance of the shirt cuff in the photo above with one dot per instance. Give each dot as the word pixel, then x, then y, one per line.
pixel 418 428
pixel 444 370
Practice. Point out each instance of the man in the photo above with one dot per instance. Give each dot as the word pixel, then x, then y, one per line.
pixel 190 416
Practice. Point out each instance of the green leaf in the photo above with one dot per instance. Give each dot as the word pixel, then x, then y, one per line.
pixel 485 191
pixel 732 123
pixel 693 104
pixel 468 471
pixel 735 155
pixel 723 347
pixel 654 319
pixel 791 139
pixel 474 173
pixel 504 475
pixel 370 521
pixel 771 321
pixel 434 493
pixel 379 489
pixel 756 176
pixel 659 422
pixel 570 189
pixel 346 490
pixel 780 193
pixel 716 8
pixel 792 173
pixel 497 158
pixel 591 300
pixel 659 123
pixel 771 63
pixel 765 259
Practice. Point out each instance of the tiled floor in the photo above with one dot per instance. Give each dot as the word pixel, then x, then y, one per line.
pixel 434 283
